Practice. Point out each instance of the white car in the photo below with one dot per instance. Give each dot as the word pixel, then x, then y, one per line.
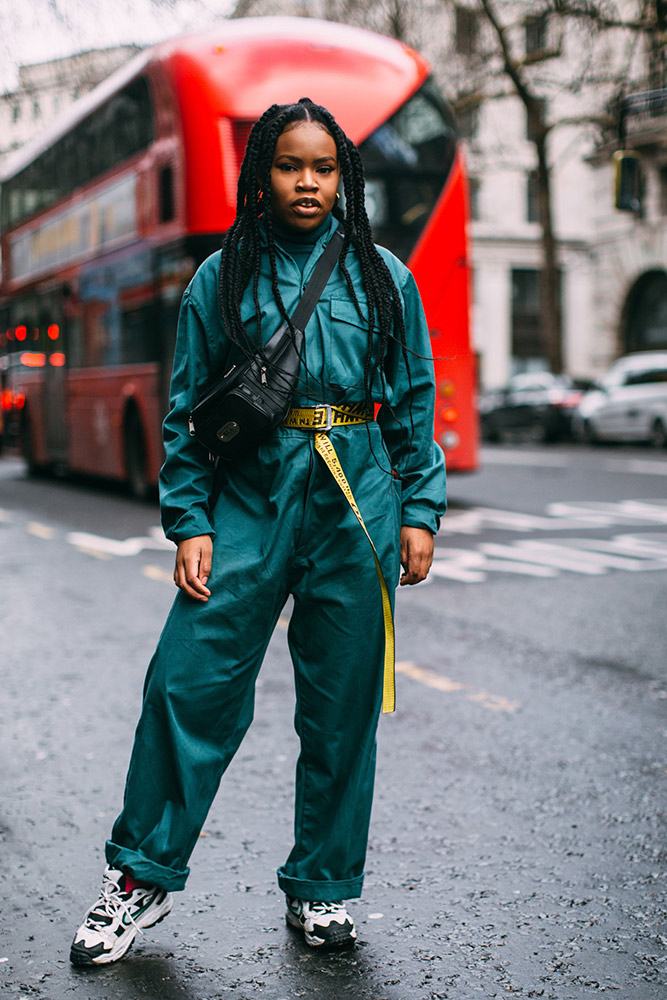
pixel 629 403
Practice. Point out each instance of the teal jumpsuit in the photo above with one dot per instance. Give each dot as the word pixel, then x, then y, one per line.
pixel 282 526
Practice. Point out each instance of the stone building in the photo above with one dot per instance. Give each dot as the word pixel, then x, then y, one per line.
pixel 46 89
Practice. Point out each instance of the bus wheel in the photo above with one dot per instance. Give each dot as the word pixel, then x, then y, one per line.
pixel 135 456
pixel 27 447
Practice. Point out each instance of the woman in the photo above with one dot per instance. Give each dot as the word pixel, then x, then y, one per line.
pixel 282 526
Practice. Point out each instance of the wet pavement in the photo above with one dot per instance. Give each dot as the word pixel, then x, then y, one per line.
pixel 518 839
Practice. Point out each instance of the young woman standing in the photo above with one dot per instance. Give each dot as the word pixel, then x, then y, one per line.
pixel 282 525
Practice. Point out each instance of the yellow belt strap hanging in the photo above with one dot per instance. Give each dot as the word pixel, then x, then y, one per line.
pixel 324 447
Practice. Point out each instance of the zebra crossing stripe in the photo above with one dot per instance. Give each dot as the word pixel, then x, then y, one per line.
pixel 544 555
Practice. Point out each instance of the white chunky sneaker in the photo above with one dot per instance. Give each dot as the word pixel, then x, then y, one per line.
pixel 325 925
pixel 114 920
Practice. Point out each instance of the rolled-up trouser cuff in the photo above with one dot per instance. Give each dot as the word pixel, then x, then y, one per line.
pixel 143 869
pixel 320 891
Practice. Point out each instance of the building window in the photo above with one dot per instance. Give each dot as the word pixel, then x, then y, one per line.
pixel 466 31
pixel 474 187
pixel 16 111
pixel 536 29
pixel 532 197
pixel 467 123
pixel 645 313
pixel 662 180
pixel 36 111
pixel 528 347
pixel 531 131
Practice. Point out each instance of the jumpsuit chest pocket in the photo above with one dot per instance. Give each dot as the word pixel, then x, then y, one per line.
pixel 346 344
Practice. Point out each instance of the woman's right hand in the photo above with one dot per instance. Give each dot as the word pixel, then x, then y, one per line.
pixel 193 566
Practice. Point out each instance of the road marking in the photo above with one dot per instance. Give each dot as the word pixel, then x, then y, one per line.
pixel 551 555
pixel 600 514
pixel 640 466
pixel 95 553
pixel 39 530
pixel 511 457
pixel 116 546
pixel 470 566
pixel 640 553
pixel 5 516
pixel 633 466
pixel 560 516
pixel 158 573
pixel 431 679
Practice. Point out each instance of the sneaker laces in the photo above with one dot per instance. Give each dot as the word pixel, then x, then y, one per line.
pixel 321 907
pixel 110 905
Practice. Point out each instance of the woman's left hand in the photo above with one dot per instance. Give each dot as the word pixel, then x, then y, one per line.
pixel 416 554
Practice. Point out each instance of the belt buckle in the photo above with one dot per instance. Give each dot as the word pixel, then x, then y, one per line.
pixel 328 417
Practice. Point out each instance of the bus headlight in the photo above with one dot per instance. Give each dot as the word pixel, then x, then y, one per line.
pixel 450 439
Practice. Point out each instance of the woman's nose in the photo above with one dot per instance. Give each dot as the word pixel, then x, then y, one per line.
pixel 308 179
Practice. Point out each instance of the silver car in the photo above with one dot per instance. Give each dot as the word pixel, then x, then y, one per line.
pixel 629 403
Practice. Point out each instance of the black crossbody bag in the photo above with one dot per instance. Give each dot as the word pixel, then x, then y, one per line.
pixel 239 409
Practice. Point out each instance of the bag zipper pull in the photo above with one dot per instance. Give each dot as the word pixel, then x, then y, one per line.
pixel 191 426
pixel 263 375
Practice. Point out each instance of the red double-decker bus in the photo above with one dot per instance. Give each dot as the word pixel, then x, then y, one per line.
pixel 106 216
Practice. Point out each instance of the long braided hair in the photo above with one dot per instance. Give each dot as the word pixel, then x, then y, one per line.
pixel 242 247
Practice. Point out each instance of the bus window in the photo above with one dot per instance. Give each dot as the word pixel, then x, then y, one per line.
pixel 407 161
pixel 110 135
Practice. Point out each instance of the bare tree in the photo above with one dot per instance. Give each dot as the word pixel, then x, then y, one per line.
pixel 609 76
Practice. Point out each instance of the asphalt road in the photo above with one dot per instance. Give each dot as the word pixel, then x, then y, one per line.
pixel 518 839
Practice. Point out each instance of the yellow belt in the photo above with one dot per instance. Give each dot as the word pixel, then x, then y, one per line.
pixel 321 419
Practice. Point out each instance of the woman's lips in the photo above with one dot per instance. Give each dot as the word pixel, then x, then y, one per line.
pixel 306 207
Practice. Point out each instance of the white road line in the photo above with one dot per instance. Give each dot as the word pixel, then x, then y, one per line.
pixel 470 566
pixel 116 546
pixel 638 466
pixel 560 516
pixel 603 555
pixel 552 556
pixel 513 457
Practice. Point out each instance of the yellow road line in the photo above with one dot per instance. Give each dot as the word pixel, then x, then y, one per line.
pixel 39 530
pixel 96 553
pixel 496 703
pixel 157 573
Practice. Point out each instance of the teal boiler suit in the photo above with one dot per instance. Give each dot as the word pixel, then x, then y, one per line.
pixel 282 526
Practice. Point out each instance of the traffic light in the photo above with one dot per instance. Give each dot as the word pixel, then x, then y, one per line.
pixel 628 181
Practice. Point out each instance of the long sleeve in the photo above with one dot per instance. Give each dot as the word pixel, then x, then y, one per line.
pixel 415 456
pixel 186 478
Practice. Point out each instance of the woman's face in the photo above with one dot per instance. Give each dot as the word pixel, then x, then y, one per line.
pixel 304 176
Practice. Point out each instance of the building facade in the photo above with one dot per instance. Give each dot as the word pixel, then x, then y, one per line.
pixel 47 89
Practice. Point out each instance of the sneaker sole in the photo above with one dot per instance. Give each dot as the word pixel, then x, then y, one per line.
pixel 338 939
pixel 82 957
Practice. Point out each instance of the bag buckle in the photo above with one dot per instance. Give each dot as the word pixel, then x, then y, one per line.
pixel 323 421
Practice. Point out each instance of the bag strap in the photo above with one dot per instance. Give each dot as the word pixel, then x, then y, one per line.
pixel 312 292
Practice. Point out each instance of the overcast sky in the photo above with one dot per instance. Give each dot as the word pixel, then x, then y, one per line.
pixel 36 30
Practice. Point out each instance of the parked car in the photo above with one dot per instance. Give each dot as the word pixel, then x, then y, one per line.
pixel 629 403
pixel 537 403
